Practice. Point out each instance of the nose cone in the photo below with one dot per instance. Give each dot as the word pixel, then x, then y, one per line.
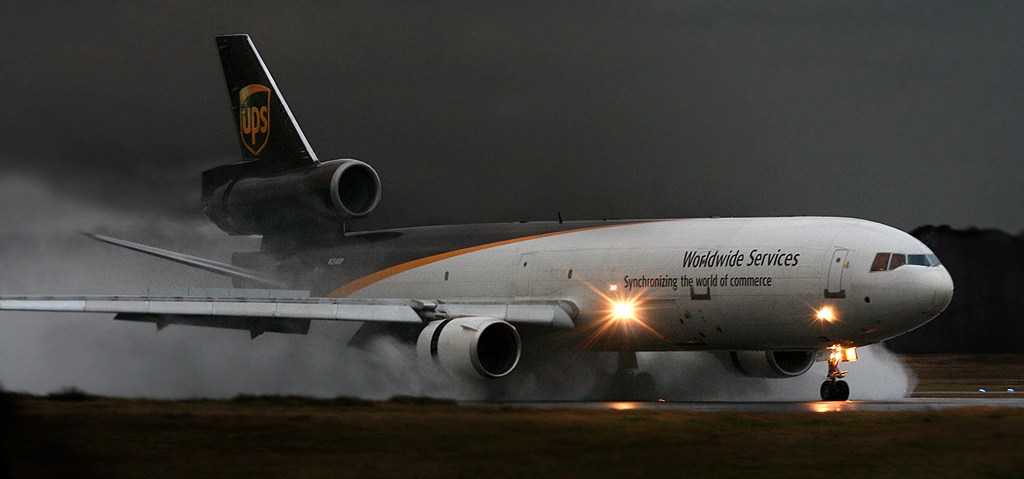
pixel 934 291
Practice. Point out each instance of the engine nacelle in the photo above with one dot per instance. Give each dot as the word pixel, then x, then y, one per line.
pixel 318 198
pixel 471 346
pixel 769 364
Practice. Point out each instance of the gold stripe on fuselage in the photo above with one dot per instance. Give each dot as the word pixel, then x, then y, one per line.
pixel 383 274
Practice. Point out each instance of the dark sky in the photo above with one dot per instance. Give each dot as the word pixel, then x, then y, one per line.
pixel 904 112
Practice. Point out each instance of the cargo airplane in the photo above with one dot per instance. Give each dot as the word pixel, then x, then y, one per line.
pixel 768 296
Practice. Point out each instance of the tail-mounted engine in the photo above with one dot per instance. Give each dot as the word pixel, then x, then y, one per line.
pixel 769 364
pixel 318 198
pixel 472 346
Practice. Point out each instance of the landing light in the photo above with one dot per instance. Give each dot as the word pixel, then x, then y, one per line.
pixel 623 311
pixel 826 314
pixel 840 354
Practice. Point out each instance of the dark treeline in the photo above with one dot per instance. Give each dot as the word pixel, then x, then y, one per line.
pixel 987 267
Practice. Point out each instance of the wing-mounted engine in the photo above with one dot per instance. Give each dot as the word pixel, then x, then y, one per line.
pixel 473 346
pixel 318 198
pixel 768 364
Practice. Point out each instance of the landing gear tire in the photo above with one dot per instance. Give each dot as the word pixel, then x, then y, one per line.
pixel 842 391
pixel 646 388
pixel 827 390
pixel 835 391
pixel 631 386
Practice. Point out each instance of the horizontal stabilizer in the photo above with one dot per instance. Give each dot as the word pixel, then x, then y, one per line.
pixel 193 261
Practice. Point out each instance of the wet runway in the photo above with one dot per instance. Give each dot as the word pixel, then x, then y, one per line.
pixel 908 404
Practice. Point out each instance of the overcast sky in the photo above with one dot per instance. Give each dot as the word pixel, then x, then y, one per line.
pixel 907 113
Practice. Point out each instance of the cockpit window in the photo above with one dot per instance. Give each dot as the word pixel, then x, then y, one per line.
pixel 897 260
pixel 891 261
pixel 881 262
pixel 918 259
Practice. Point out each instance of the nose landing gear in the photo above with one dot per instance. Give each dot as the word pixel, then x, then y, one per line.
pixel 834 388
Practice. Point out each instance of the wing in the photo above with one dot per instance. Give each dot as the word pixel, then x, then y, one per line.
pixel 285 311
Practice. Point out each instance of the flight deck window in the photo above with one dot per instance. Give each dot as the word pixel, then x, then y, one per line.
pixel 897 260
pixel 881 261
pixel 933 260
pixel 918 259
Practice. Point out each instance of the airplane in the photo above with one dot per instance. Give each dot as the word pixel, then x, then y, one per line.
pixel 767 296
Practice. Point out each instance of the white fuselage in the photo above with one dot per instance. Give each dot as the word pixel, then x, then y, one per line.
pixel 701 284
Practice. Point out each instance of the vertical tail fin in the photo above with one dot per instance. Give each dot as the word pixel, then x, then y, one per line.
pixel 270 138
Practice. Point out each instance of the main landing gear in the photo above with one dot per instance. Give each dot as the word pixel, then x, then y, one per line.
pixel 627 384
pixel 834 388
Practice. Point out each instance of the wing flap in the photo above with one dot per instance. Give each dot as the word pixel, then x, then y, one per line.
pixel 256 326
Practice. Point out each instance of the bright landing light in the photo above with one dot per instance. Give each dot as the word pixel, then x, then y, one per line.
pixel 623 311
pixel 826 314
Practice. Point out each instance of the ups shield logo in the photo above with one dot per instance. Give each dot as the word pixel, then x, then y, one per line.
pixel 254 117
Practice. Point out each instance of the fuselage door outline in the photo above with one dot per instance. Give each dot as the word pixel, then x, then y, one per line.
pixel 836 267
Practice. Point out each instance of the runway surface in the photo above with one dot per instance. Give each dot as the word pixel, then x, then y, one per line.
pixel 908 404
